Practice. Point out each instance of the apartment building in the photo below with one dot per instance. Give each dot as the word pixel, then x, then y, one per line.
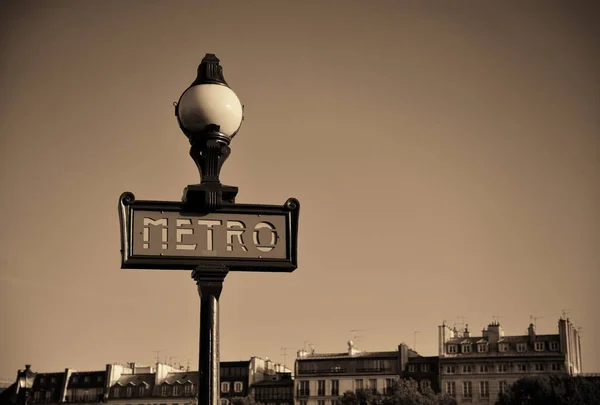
pixel 321 379
pixel 476 369
pixel 277 389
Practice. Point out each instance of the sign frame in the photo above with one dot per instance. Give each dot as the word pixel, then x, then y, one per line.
pixel 128 204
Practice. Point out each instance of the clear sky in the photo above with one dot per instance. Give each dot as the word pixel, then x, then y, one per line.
pixel 445 155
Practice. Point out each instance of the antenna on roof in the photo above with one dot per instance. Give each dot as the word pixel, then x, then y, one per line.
pixel 187 368
pixel 284 353
pixel 533 319
pixel 495 319
pixel 171 358
pixel 157 354
pixel 462 323
pixel 356 338
pixel 565 312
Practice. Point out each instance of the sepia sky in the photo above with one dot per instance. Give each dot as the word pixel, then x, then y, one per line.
pixel 446 155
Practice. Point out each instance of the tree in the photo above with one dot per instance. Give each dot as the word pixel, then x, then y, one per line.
pixel 402 392
pixel 553 390
pixel 248 400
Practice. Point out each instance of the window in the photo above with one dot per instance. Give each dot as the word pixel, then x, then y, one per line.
pixel 466 348
pixel 225 386
pixel 467 369
pixel 452 349
pixel 467 389
pixel 358 385
pixel 48 395
pixel 128 391
pixel 187 389
pixel 388 385
pixel 521 367
pixel 116 392
pixel 502 387
pixel 373 385
pixel 539 367
pixel 42 380
pixel 539 346
pixel 75 379
pixel 425 385
pixel 304 388
pixel 86 379
pixel 450 369
pixel 503 368
pixel 238 386
pixel 335 387
pixel 521 347
pixel 483 368
pixel 141 391
pixel 484 389
pixel 303 402
pixel 176 390
pixel 556 367
pixel 163 391
pixel 321 388
pixel 503 347
pixel 451 388
pixel 36 396
pixel 554 346
pixel 321 402
pixel 224 401
pixel 411 368
pixel 99 378
pixel 425 368
pixel 53 380
pixel 482 347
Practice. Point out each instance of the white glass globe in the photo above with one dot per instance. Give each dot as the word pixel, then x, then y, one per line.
pixel 207 104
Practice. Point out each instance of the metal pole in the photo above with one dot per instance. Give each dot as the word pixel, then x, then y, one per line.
pixel 210 284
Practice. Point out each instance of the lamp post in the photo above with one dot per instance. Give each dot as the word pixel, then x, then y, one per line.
pixel 210 114
pixel 208 232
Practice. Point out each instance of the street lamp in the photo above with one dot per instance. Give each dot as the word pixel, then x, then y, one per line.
pixel 208 232
pixel 209 114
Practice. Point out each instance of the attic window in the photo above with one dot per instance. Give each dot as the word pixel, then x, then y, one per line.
pixel 75 379
pixel 554 346
pixel 503 347
pixel 452 349
pixel 482 347
pixel 539 346
pixel 86 379
pixel 466 348
pixel 521 347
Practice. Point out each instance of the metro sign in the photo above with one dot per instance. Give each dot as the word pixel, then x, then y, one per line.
pixel 243 237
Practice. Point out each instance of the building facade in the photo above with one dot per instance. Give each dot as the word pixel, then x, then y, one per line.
pixel 424 370
pixel 476 369
pixel 132 384
pixel 277 389
pixel 321 379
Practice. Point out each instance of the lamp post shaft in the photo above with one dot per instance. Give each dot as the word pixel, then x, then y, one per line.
pixel 210 284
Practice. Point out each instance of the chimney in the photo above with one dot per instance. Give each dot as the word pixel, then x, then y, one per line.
pixel 466 332
pixel 494 332
pixel 531 332
pixel 351 349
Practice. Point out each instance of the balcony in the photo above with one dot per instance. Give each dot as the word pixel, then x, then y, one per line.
pixel 324 370
pixel 303 392
pixel 374 370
